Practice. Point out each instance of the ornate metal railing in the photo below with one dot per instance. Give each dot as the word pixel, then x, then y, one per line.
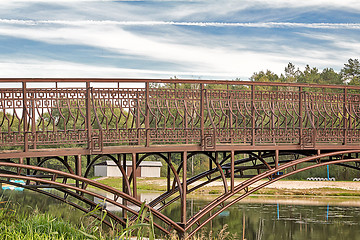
pixel 162 112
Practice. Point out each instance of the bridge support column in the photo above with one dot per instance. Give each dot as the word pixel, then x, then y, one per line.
pixel 124 202
pixel 21 161
pixel 232 171
pixel 78 167
pixel 276 159
pixel 184 188
pixel 28 163
pixel 168 172
pixel 134 158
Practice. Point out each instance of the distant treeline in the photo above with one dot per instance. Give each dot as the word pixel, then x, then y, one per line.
pixel 349 74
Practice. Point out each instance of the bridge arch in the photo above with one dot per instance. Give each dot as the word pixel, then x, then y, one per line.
pixel 116 161
pixel 79 192
pixel 271 175
pixel 167 160
pixel 71 203
pixel 61 160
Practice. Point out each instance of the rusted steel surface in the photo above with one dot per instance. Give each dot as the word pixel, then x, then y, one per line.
pixel 245 129
pixel 208 114
pixel 33 181
pixel 201 218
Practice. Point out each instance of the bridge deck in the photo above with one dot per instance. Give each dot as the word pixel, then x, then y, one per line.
pixel 173 116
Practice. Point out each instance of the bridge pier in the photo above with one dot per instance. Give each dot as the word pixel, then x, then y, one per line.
pixel 124 177
pixel 184 188
pixel 134 161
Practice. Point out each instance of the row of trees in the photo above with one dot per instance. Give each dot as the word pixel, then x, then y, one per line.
pixel 349 74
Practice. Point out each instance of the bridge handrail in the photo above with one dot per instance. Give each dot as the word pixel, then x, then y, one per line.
pixel 202 116
pixel 186 81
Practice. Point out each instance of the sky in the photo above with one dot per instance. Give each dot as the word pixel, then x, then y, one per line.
pixel 162 39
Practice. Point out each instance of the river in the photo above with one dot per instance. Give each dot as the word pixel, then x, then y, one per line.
pixel 261 217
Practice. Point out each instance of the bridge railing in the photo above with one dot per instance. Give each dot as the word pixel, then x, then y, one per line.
pixel 163 112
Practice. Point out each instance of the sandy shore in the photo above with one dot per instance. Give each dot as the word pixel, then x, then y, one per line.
pixel 286 184
pixel 312 185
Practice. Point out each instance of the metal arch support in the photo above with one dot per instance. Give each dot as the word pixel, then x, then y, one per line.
pixel 142 158
pixel 60 199
pixel 218 166
pixel 189 181
pixel 204 174
pixel 154 202
pixel 65 163
pixel 98 157
pixel 249 153
pixel 196 218
pixel 84 191
pixel 77 190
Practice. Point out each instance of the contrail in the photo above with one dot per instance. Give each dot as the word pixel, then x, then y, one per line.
pixel 198 24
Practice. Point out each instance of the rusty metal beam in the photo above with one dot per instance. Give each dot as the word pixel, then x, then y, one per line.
pixel 184 188
pixel 188 81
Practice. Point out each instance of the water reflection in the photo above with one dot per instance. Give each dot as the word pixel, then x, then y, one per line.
pixel 264 218
pixel 143 197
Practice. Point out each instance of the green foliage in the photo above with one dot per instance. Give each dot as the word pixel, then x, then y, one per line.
pixel 14 225
pixel 351 72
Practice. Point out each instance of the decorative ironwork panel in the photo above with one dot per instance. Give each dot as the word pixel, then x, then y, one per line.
pixel 179 113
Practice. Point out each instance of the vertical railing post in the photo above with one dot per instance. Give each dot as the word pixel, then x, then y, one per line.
pixel 186 120
pixel 345 122
pixel 33 121
pixel 253 115
pixel 138 123
pixel 300 116
pixel 147 112
pixel 202 97
pixel 88 115
pixel 25 120
pixel 184 188
pixel 230 128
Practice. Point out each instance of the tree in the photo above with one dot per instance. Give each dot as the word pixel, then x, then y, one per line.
pixel 310 75
pixel 291 74
pixel 329 76
pixel 351 72
pixel 267 76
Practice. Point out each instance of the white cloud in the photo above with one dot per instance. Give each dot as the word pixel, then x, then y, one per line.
pixel 61 69
pixel 173 23
pixel 110 26
pixel 201 58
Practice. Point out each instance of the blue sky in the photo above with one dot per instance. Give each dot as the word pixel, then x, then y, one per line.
pixel 187 39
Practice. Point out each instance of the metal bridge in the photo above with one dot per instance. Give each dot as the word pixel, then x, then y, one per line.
pixel 246 129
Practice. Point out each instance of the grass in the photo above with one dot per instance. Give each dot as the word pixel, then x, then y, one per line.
pixel 15 225
pixel 146 184
pixel 39 226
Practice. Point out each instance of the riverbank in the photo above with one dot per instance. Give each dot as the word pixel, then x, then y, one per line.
pixel 282 187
